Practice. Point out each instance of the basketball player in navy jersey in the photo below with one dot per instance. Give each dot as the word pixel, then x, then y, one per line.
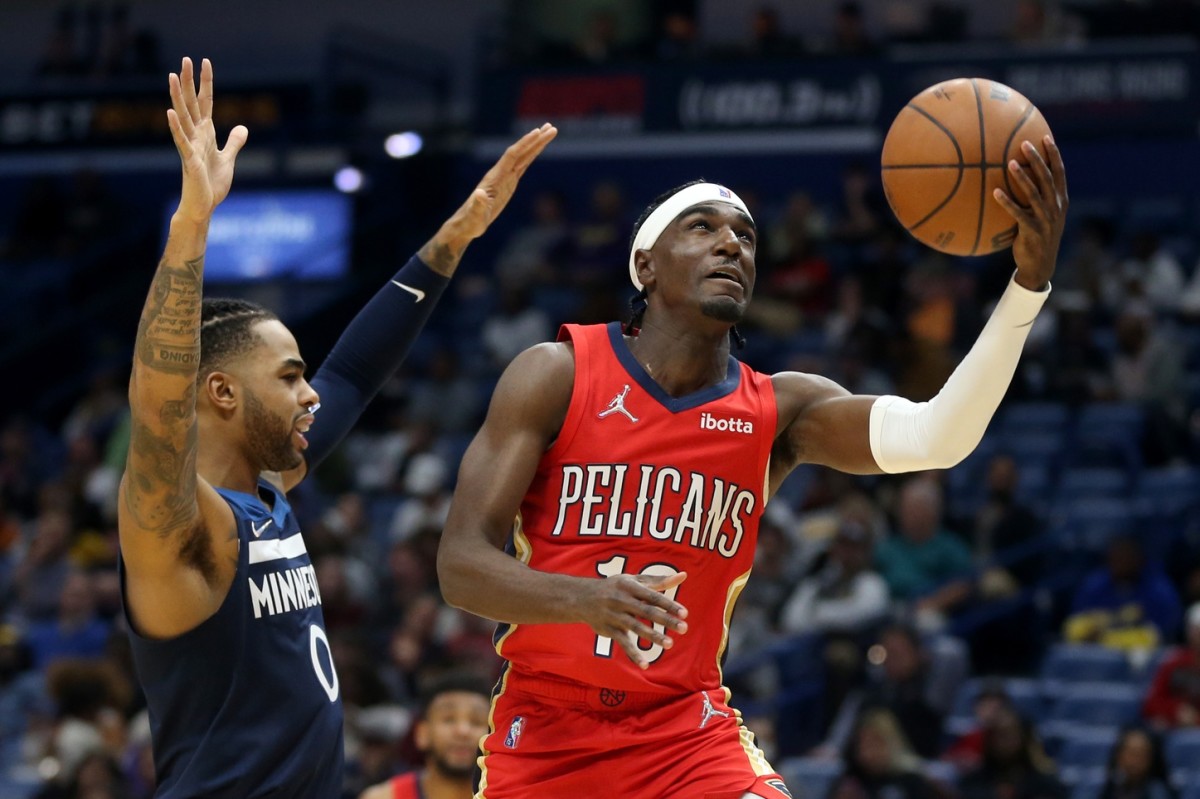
pixel 454 716
pixel 612 499
pixel 220 594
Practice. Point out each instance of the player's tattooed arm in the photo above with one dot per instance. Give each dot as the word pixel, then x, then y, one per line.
pixel 443 252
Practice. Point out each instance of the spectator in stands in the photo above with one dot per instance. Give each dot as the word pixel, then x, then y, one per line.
pixel 516 326
pixel 40 577
pixel 767 37
pixel 1003 524
pixel 1075 368
pixel 1151 273
pixel 1137 768
pixel 76 632
pixel 600 240
pixel 428 501
pixel 966 752
pixel 862 208
pixel 91 698
pixel 598 44
pixel 97 776
pixel 845 595
pixel 1148 369
pixel 850 37
pixel 1173 699
pixel 880 764
pixel 535 254
pixel 1014 764
pixel 1091 264
pixel 1127 603
pixel 923 563
pixel 445 398
pixel 902 682
pixel 1042 22
pixel 679 36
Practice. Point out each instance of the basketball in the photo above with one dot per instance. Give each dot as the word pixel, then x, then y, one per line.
pixel 945 153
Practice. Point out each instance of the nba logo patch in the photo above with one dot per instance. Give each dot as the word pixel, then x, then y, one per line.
pixel 724 192
pixel 514 732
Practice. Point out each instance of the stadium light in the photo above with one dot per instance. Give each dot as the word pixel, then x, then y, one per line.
pixel 348 179
pixel 403 145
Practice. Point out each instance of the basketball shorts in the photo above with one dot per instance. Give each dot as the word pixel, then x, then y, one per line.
pixel 566 740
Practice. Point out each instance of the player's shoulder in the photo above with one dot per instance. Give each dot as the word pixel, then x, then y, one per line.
pixel 547 364
pixel 803 388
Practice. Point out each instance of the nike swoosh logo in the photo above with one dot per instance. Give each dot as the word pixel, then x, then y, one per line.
pixel 420 295
pixel 259 530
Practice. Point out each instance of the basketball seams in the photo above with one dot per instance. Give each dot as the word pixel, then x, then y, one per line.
pixel 982 165
pixel 1020 123
pixel 959 166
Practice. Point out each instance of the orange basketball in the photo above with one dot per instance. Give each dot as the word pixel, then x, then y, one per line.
pixel 945 153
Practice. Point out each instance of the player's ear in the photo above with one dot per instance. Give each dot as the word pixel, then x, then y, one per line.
pixel 221 390
pixel 643 262
pixel 421 735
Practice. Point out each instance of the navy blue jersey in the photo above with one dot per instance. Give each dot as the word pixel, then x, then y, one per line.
pixel 247 704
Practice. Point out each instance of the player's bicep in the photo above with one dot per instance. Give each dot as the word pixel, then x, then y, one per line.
pixel 825 425
pixel 525 415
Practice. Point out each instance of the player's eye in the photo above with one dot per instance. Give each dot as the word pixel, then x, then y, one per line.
pixel 291 377
pixel 701 224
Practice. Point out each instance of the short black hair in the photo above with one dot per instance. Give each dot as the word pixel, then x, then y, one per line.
pixel 227 330
pixel 467 682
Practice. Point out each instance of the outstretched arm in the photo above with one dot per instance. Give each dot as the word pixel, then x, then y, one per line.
pixel 163 507
pixel 820 422
pixel 475 573
pixel 379 338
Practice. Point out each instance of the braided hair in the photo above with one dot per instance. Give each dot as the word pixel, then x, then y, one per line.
pixel 227 330
pixel 637 305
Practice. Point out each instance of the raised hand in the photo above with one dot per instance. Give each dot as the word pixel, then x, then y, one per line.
pixel 1040 226
pixel 619 608
pixel 486 202
pixel 207 169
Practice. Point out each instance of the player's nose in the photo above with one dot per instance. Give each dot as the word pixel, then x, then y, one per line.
pixel 309 395
pixel 727 242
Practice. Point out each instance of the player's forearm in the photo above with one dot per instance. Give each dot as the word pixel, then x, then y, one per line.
pixel 160 486
pixel 481 579
pixel 167 347
pixel 445 250
pixel 937 434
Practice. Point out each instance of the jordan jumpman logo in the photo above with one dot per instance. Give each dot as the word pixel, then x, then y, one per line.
pixel 709 711
pixel 617 405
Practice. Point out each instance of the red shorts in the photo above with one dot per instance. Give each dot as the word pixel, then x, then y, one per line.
pixel 566 740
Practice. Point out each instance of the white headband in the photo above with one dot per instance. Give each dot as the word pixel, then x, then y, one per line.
pixel 671 208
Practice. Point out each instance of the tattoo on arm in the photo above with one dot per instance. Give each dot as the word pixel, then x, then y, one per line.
pixel 161 480
pixel 440 257
pixel 168 338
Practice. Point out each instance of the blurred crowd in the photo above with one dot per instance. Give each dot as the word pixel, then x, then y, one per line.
pixel 673 30
pixel 876 603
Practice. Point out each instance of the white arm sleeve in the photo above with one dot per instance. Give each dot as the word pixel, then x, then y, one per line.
pixel 913 436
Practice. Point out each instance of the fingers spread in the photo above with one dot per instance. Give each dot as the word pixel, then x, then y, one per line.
pixel 182 142
pixel 1058 169
pixel 177 104
pixel 206 89
pixel 237 140
pixel 188 80
pixel 1041 172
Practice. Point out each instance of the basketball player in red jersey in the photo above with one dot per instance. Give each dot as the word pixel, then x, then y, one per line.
pixel 454 716
pixel 636 468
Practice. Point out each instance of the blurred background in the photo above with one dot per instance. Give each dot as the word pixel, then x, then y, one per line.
pixel 1023 625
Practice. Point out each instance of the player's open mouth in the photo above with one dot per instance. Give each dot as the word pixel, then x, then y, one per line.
pixel 726 275
pixel 303 424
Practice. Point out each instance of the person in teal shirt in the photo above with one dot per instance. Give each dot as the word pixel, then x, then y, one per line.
pixel 922 561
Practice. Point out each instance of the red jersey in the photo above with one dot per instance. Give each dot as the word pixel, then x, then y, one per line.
pixel 641 482
pixel 407 786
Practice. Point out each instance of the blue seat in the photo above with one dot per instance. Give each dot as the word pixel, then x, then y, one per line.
pixel 1034 417
pixel 1086 749
pixel 1101 704
pixel 1088 523
pixel 1042 448
pixel 1182 751
pixel 1169 490
pixel 1073 663
pixel 810 776
pixel 1093 482
pixel 1087 786
pixel 1025 694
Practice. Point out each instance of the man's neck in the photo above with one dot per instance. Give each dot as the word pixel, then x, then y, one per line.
pixel 222 467
pixel 682 360
pixel 436 785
